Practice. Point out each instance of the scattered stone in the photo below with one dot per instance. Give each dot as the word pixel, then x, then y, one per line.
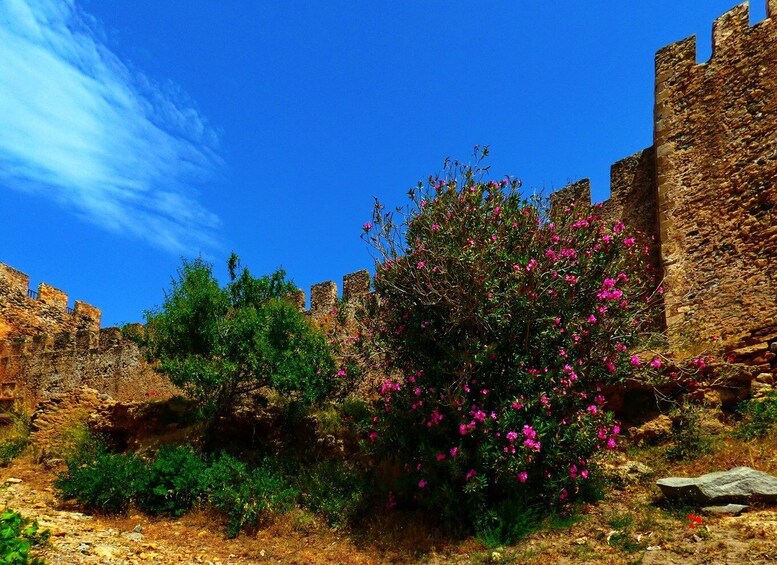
pixel 759 389
pixel 53 463
pixel 138 529
pixel 767 378
pixel 656 429
pixel 629 473
pixel 134 536
pixel 733 509
pixel 13 480
pixel 105 551
pixel 737 485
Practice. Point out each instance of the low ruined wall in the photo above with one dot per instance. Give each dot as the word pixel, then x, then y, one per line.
pixel 35 368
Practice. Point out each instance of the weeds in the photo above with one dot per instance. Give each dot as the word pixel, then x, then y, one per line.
pixel 688 438
pixel 335 490
pixel 759 418
pixel 623 537
pixel 15 438
pixel 20 539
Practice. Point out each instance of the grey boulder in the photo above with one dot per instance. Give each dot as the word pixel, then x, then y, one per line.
pixel 738 485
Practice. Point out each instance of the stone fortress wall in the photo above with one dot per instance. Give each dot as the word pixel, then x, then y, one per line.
pixel 706 190
pixel 48 348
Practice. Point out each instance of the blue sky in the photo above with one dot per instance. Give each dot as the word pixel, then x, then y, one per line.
pixel 134 133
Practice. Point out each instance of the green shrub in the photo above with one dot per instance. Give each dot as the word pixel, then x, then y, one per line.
pixel 246 496
pixel 105 482
pixel 172 483
pixel 19 538
pixel 759 417
pixel 333 489
pixel 218 343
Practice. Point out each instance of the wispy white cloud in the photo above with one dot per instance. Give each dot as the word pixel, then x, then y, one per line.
pixel 79 125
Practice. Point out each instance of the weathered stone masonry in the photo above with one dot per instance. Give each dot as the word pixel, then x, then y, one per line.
pixel 45 311
pixel 47 348
pixel 707 188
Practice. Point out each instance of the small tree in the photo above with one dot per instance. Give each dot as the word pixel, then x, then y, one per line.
pixel 217 343
pixel 502 323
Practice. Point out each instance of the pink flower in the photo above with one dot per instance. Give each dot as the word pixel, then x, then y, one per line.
pixel 591 319
pixel 435 227
pixel 635 360
pixel 454 452
pixel 421 483
pixel 522 476
pixel 656 363
pixel 532 264
pixel 367 226
pixel 470 474
pixel 341 373
pixel 511 436
pixel 421 264
pixel 629 241
pixel 611 443
pixel 391 501
pixel 440 456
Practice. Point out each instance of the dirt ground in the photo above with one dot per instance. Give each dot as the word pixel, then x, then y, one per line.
pixel 628 526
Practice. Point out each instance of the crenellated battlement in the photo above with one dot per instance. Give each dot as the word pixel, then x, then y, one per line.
pixel 323 296
pixel 731 32
pixel 707 188
pixel 24 311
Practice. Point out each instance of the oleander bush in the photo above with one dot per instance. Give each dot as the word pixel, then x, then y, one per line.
pixel 500 323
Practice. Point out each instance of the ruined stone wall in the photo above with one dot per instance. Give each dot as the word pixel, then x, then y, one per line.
pixel 27 312
pixel 707 188
pixel 324 295
pixel 716 146
pixel 33 368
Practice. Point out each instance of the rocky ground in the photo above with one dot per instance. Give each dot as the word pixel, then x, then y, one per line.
pixel 629 526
